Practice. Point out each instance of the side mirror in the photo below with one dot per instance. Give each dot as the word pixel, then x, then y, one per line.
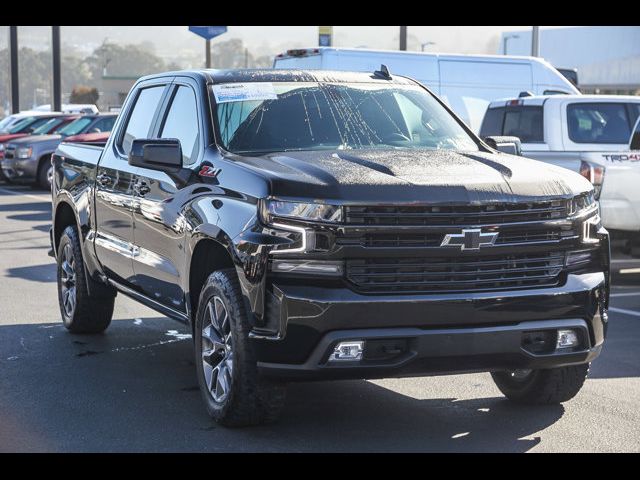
pixel 510 145
pixel 634 142
pixel 163 154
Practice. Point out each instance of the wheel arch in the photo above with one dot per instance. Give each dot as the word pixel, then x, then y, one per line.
pixel 208 255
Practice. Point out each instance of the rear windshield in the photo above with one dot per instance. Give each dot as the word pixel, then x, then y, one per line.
pixel 261 118
pixel 598 123
pixel 524 122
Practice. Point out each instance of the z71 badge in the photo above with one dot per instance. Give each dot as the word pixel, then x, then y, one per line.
pixel 209 171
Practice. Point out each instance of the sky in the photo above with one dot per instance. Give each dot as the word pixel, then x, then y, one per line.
pixel 173 41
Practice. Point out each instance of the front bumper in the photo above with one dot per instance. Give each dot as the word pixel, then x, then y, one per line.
pixel 442 333
pixel 18 170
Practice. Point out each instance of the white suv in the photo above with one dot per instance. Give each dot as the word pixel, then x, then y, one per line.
pixel 585 133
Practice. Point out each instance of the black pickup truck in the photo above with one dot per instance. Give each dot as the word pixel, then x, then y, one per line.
pixel 330 225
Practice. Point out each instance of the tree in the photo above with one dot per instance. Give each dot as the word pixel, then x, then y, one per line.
pixel 123 60
pixel 84 94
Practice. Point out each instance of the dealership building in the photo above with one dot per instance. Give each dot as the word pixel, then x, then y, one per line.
pixel 607 58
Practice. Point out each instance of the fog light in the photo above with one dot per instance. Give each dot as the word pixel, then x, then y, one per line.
pixel 347 351
pixel 567 339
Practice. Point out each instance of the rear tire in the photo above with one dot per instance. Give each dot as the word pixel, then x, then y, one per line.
pixel 45 174
pixel 233 391
pixel 82 312
pixel 542 387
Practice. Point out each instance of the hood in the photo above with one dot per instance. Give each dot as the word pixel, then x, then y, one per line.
pixel 10 136
pixel 433 176
pixel 36 139
pixel 88 137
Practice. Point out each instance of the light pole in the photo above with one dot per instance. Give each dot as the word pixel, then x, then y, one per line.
pixel 426 44
pixel 504 42
pixel 403 38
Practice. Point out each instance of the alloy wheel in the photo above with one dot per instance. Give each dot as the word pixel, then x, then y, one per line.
pixel 217 350
pixel 68 281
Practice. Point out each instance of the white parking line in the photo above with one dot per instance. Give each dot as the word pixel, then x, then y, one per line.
pixel 626 294
pixel 623 260
pixel 625 311
pixel 20 194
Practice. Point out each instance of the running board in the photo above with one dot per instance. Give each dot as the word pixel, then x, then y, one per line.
pixel 154 305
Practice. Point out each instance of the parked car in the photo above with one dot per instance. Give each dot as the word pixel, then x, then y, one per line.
pixel 28 159
pixel 467 83
pixel 10 120
pixel 336 225
pixel 584 133
pixel 31 125
pixel 43 125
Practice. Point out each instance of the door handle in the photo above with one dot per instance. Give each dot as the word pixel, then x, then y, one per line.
pixel 103 180
pixel 141 188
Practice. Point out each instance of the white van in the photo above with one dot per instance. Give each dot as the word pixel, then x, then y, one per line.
pixel 467 83
pixel 588 134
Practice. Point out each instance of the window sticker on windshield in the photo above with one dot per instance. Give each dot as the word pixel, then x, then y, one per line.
pixel 240 92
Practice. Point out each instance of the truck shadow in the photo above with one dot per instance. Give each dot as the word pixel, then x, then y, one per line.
pixel 34 273
pixel 134 389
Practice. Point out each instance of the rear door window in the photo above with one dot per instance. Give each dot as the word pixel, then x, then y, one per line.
pixel 598 123
pixel 524 123
pixel 492 123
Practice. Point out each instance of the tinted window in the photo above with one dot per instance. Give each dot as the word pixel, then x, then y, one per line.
pixel 182 123
pixel 598 123
pixel 103 125
pixel 524 123
pixel 492 123
pixel 75 127
pixel 28 124
pixel 634 112
pixel 141 117
pixel 48 126
pixel 329 116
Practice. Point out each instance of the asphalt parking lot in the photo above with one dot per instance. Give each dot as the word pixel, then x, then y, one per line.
pixel 135 389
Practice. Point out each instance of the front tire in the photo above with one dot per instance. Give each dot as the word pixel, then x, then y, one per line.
pixel 542 387
pixel 233 391
pixel 82 311
pixel 45 174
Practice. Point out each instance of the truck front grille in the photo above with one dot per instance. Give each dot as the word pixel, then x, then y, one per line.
pixel 452 274
pixel 434 215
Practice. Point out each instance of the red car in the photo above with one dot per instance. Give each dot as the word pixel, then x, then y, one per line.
pixel 99 138
pixel 36 125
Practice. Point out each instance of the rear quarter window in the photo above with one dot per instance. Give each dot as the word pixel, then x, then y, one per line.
pixel 492 122
pixel 524 123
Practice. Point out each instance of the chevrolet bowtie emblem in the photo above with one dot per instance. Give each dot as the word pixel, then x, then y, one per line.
pixel 469 239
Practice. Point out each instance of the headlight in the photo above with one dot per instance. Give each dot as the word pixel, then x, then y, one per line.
pixel 1 147
pixel 581 204
pixel 309 212
pixel 24 152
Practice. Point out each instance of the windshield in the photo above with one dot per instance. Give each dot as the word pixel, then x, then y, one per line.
pixel 6 122
pixel 48 126
pixel 75 127
pixel 19 126
pixel 280 117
